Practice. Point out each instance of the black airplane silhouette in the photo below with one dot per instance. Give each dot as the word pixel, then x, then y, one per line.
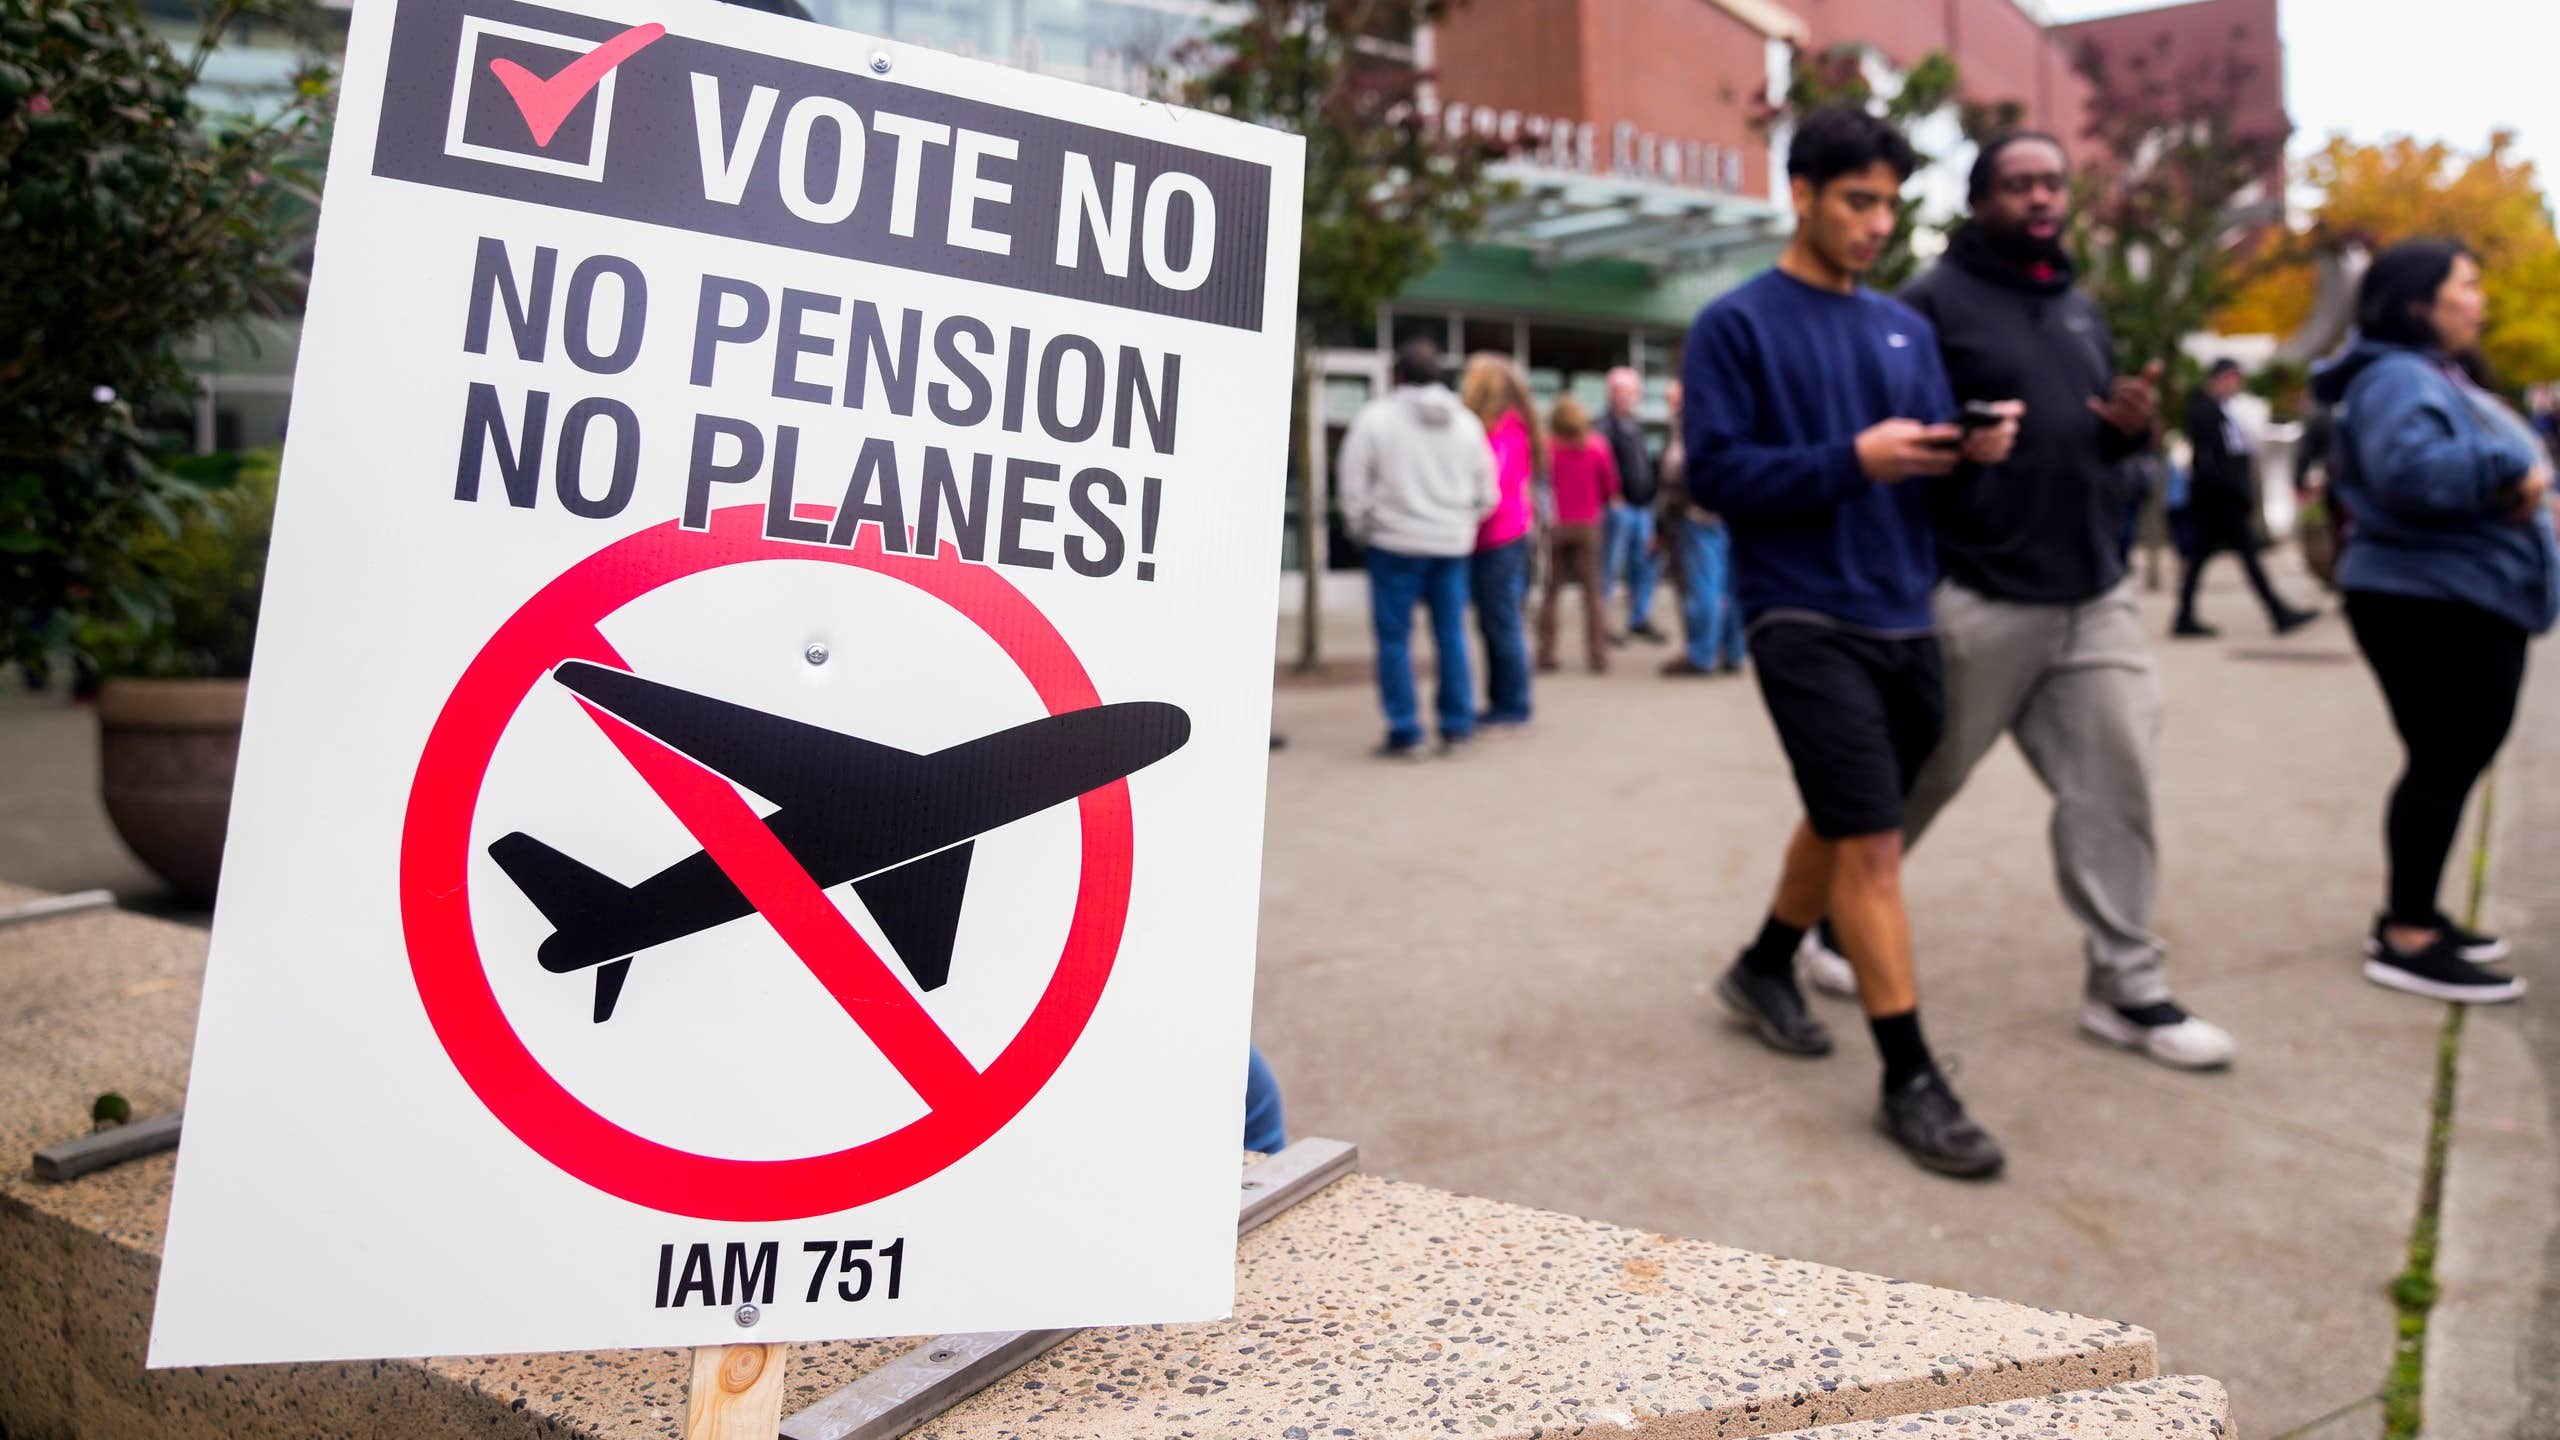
pixel 898 825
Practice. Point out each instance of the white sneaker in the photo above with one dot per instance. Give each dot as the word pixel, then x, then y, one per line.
pixel 2188 1044
pixel 1826 969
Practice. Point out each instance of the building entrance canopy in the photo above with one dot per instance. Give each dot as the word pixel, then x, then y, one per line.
pixel 1562 217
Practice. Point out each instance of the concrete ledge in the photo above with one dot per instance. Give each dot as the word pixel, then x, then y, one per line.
pixel 2186 1407
pixel 1382 1308
pixel 1374 1309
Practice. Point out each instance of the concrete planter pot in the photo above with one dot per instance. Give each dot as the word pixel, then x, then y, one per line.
pixel 166 750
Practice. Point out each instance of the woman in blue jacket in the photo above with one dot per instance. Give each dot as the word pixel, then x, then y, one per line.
pixel 2451 568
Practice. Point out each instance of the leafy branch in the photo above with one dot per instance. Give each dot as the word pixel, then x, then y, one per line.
pixel 1838 76
pixel 2173 206
pixel 1386 188
pixel 130 223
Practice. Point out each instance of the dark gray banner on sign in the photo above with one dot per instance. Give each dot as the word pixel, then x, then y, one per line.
pixel 564 110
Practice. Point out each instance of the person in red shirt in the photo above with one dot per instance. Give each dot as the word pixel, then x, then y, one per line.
pixel 1583 478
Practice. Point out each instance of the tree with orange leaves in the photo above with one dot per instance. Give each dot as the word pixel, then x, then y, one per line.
pixel 2377 195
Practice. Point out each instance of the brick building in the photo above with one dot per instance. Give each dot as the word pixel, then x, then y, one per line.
pixel 1645 187
pixel 1648 188
pixel 1657 99
pixel 2241 33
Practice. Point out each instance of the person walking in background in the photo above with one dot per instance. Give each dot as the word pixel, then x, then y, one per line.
pixel 1629 543
pixel 2544 403
pixel 1416 481
pixel 2222 493
pixel 1266 1129
pixel 2311 452
pixel 2180 499
pixel 2035 616
pixel 2452 569
pixel 1814 410
pixel 1583 478
pixel 1701 566
pixel 1498 576
pixel 2320 524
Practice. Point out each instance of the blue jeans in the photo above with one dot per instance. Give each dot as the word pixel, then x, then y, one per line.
pixel 1499 578
pixel 1627 552
pixel 1263 1129
pixel 1396 582
pixel 1708 614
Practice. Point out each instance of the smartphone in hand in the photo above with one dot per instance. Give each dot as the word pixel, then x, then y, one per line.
pixel 1976 415
pixel 1979 415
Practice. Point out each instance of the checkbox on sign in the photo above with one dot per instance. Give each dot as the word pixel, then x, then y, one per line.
pixel 536 99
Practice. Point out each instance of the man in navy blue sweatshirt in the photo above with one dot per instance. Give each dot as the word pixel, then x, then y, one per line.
pixel 1816 412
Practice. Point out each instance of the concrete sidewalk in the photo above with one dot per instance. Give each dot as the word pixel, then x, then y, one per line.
pixel 54 833
pixel 1493 971
pixel 2494 1339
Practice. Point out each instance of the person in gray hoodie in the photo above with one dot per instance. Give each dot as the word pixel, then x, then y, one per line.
pixel 2451 567
pixel 1415 479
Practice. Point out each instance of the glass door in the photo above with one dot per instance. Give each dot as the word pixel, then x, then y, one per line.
pixel 1345 381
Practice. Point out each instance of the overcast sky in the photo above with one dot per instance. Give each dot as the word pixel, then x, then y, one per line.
pixel 2449 70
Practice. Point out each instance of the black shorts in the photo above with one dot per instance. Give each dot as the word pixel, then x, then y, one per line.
pixel 1858 715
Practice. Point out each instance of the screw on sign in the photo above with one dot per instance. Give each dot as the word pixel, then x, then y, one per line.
pixel 907 855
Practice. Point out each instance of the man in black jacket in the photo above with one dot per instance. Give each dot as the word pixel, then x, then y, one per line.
pixel 2034 616
pixel 2221 491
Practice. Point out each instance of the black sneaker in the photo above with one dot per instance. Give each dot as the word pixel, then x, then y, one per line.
pixel 1774 1008
pixel 2187 629
pixel 2293 620
pixel 2440 973
pixel 1399 750
pixel 1926 1119
pixel 1648 632
pixel 2471 945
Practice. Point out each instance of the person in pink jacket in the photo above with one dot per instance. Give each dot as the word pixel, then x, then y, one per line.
pixel 1583 476
pixel 1498 576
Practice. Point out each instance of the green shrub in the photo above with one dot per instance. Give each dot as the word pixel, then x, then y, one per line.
pixel 207 575
pixel 130 223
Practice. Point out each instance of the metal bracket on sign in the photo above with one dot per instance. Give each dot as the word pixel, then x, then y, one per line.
pixel 933 1377
pixel 53 905
pixel 71 1159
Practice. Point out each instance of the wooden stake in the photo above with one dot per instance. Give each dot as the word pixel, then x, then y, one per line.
pixel 737 1393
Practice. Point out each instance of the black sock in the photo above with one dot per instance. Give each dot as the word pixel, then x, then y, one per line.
pixel 1830 937
pixel 1774 953
pixel 1906 1055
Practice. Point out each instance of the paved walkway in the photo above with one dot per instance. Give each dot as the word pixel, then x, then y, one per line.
pixel 54 833
pixel 2495 1334
pixel 1492 972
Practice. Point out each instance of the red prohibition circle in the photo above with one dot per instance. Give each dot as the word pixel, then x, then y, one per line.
pixel 560 623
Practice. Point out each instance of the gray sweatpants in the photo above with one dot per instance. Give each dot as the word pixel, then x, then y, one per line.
pixel 2076 686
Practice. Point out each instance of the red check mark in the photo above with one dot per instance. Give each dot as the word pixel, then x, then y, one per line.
pixel 545 104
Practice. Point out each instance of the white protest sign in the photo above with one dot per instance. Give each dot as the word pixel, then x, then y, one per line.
pixel 752 790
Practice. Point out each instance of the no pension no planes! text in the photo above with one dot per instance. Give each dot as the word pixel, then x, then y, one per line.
pixel 843 356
